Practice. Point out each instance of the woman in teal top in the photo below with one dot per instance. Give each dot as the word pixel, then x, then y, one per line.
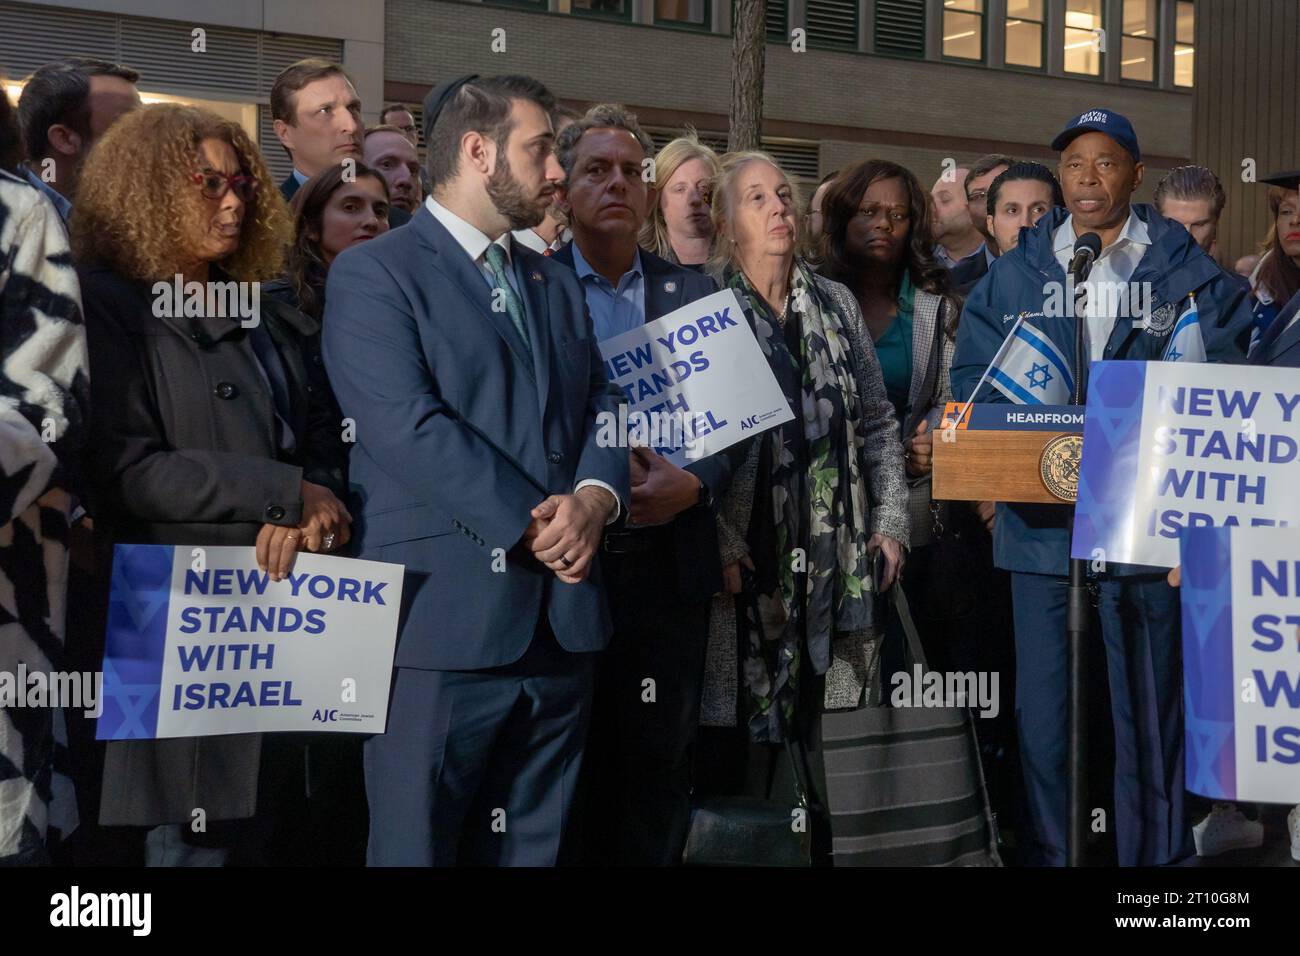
pixel 877 242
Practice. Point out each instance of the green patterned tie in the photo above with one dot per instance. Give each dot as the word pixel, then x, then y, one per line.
pixel 496 260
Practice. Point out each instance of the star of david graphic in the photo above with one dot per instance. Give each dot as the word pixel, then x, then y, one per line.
pixel 1174 355
pixel 1039 376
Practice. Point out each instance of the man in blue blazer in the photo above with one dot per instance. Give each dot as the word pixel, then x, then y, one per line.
pixel 664 570
pixel 470 369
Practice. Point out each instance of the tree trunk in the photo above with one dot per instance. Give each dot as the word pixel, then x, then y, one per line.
pixel 749 35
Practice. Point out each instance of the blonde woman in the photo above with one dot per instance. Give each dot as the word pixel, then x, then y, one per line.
pixel 204 432
pixel 680 228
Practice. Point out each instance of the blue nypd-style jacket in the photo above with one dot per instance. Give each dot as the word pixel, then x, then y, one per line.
pixel 1032 537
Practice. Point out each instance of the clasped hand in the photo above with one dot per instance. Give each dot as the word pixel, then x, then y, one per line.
pixel 565 531
pixel 324 527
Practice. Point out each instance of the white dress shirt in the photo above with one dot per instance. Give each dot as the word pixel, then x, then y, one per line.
pixel 475 243
pixel 1115 265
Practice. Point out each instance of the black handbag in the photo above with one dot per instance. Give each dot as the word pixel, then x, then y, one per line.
pixel 753 831
pixel 904 784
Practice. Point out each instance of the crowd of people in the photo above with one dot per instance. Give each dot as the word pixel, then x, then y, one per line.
pixel 421 388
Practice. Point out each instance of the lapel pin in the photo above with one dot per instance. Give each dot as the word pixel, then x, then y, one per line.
pixel 670 286
pixel 536 277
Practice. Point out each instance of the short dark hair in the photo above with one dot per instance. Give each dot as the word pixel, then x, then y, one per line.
pixel 1191 182
pixel 600 116
pixel 293 78
pixel 1020 171
pixel 840 205
pixel 986 164
pixel 59 93
pixel 394 108
pixel 482 106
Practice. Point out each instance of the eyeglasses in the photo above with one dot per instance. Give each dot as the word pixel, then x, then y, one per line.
pixel 977 195
pixel 215 185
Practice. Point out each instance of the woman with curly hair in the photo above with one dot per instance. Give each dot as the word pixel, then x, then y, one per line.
pixel 205 430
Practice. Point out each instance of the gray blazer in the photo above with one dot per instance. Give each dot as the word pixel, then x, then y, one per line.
pixel 881 460
pixel 184 451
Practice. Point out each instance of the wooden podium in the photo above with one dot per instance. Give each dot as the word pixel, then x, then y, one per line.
pixel 1000 452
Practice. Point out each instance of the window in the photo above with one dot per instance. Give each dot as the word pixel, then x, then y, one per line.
pixel 693 13
pixel 900 27
pixel 1025 33
pixel 607 8
pixel 963 29
pixel 1184 38
pixel 1083 37
pixel 1138 43
pixel 832 24
pixel 776 21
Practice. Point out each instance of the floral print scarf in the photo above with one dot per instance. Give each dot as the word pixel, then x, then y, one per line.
pixel 821 563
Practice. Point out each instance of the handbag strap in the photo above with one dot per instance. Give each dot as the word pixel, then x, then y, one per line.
pixel 909 627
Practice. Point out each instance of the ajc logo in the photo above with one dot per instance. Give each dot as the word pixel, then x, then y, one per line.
pixel 750 422
pixel 325 716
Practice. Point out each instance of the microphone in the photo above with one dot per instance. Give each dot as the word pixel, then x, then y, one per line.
pixel 1086 249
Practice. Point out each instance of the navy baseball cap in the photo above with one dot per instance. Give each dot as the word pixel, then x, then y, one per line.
pixel 1114 125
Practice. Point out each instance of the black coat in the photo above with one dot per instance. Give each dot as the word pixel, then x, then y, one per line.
pixel 183 451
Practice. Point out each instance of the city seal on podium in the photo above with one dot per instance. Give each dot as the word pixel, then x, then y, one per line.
pixel 1059 466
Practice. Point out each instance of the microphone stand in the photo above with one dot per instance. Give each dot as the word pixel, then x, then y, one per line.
pixel 1076 627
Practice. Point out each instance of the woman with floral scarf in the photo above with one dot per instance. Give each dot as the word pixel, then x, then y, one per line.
pixel 817 497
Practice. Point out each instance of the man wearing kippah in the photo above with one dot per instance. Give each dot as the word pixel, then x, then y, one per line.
pixel 1138 612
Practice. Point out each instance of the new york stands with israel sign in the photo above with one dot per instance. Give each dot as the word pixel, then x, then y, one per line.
pixel 1241 662
pixel 1171 445
pixel 201 643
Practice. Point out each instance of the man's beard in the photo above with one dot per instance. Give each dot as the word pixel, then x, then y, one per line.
pixel 508 197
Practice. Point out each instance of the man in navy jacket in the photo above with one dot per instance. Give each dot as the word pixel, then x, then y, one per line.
pixel 469 366
pixel 1142 252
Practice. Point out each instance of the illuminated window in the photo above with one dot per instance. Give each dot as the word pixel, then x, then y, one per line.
pixel 1184 38
pixel 1138 42
pixel 1025 33
pixel 685 12
pixel 245 114
pixel 1083 36
pixel 963 29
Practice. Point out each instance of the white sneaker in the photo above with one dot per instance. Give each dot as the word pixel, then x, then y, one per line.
pixel 1226 828
pixel 1293 826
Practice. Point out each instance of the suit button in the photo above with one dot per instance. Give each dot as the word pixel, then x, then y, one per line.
pixel 225 390
pixel 274 512
pixel 555 458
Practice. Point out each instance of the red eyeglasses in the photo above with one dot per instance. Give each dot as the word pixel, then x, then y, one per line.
pixel 215 185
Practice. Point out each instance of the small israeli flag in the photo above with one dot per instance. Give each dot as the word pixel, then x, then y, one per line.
pixel 1030 370
pixel 1185 342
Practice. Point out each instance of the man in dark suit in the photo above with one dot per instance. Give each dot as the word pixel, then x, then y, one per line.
pixel 661 571
pixel 469 366
pixel 317 116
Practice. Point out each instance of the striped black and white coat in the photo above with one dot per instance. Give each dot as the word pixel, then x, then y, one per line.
pixel 43 394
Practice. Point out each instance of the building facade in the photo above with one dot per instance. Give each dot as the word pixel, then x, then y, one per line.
pixel 922 82
pixel 916 81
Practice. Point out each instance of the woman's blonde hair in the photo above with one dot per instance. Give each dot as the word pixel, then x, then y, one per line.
pixel 654 233
pixel 721 194
pixel 136 197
